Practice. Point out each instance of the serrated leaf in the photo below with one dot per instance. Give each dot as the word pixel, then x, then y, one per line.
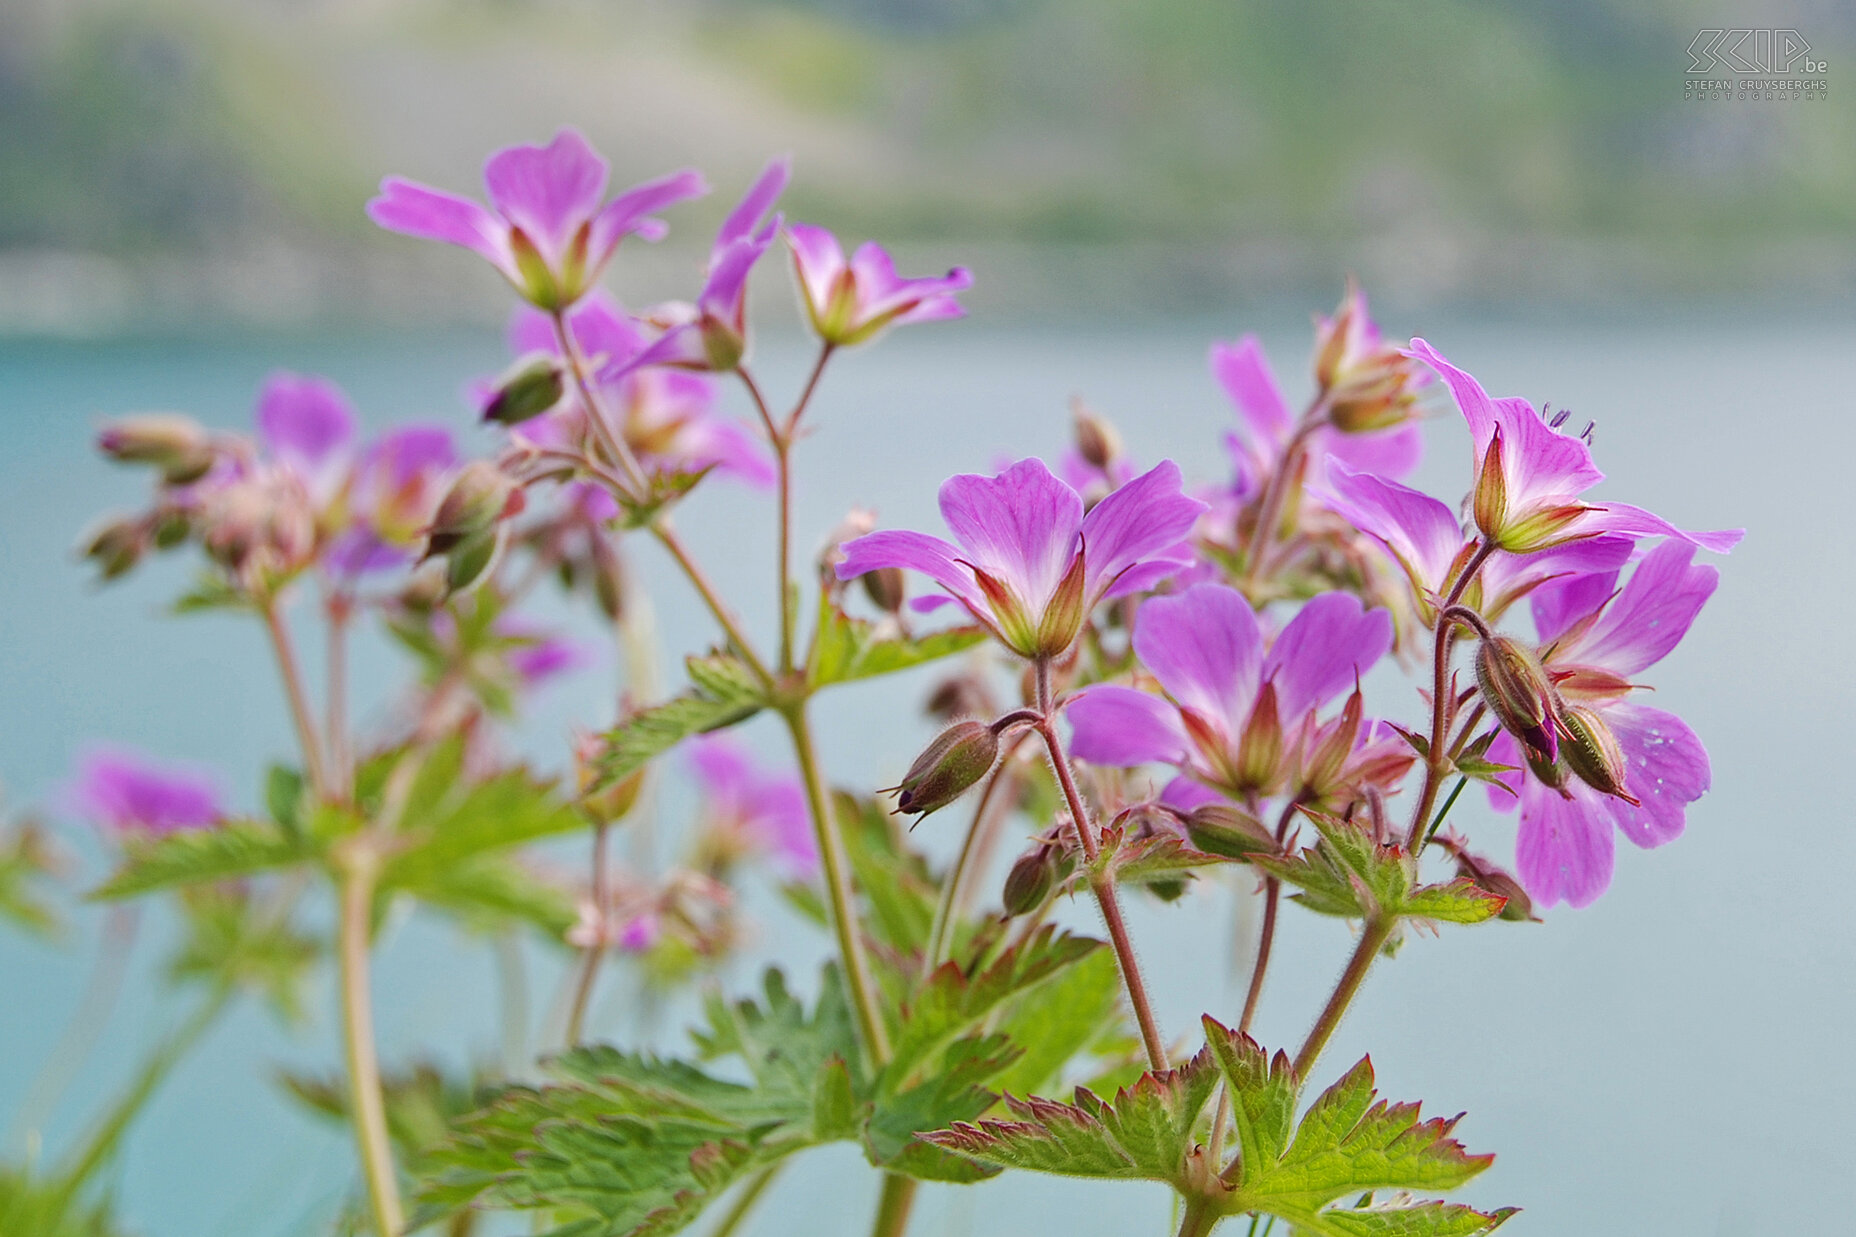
pixel 211 592
pixel 892 877
pixel 1072 1014
pixel 227 851
pixel 665 489
pixel 488 891
pixel 846 648
pixel 1457 901
pixel 954 1093
pixel 725 692
pixel 1147 1132
pixel 1349 874
pixel 446 824
pixel 1348 1144
pixel 231 938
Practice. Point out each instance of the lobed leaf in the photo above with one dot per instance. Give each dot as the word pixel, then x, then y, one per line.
pixel 846 648
pixel 724 692
pixel 226 851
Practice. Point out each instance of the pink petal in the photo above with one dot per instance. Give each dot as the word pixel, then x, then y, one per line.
pixel 911 551
pixel 1147 517
pixel 1244 373
pixel 756 203
pixel 1020 526
pixel 547 191
pixel 420 210
pixel 1120 727
pixel 1421 533
pixel 1331 642
pixel 819 258
pixel 305 422
pixel 1635 521
pixel 1205 647
pixel 1386 453
pixel 1564 849
pixel 1650 616
pixel 630 212
pixel 1667 769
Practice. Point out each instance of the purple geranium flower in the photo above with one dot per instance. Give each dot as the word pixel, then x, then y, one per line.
pixel 850 302
pixel 307 425
pixel 1427 543
pixel 129 793
pixel 1529 475
pixel 752 809
pixel 1030 565
pixel 1237 714
pixel 546 229
pixel 1594 637
pixel 396 488
pixel 667 417
pixel 537 655
pixel 1244 373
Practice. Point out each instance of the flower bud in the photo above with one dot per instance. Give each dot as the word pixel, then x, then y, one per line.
pixel 117 547
pixel 1096 438
pixel 470 560
pixel 722 344
pixel 1229 832
pixel 1033 876
pixel 526 390
pixel 1259 755
pixel 962 695
pixel 481 495
pixel 1593 754
pixel 958 758
pixel 1064 613
pixel 1518 907
pixel 1550 772
pixel 1491 498
pixel 886 587
pixel 177 445
pixel 1515 687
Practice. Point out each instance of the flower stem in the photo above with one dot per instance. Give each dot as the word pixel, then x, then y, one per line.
pixel 1272 896
pixel 594 953
pixel 339 608
pixel 366 1102
pixel 941 932
pixel 1269 509
pixel 1372 940
pixel 1100 884
pixel 1437 762
pixel 837 872
pixel 298 699
pixel 731 627
pixel 1200 1218
pixel 893 1206
pixel 782 444
pixel 611 438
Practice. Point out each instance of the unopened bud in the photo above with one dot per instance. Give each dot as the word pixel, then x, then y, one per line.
pixel 957 759
pixel 529 388
pixel 481 495
pixel 1515 687
pixel 1033 876
pixel 423 591
pixel 722 344
pixel 469 560
pixel 117 547
pixel 1229 832
pixel 608 577
pixel 886 587
pixel 1593 754
pixel 1259 756
pixel 177 445
pixel 1518 907
pixel 1096 438
pixel 963 695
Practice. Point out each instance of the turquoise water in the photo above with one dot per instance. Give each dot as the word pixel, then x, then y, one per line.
pixel 1667 1061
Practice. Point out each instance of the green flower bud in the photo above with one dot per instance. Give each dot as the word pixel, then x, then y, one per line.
pixel 1516 689
pixel 178 446
pixel 1593 754
pixel 957 759
pixel 526 390
pixel 1229 832
pixel 1033 876
pixel 117 547
pixel 481 495
pixel 886 587
pixel 1491 499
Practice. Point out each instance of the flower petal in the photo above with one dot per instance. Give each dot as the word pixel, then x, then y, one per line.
pixel 911 551
pixel 1564 849
pixel 1332 641
pixel 1146 518
pixel 1385 453
pixel 755 204
pixel 419 210
pixel 1019 526
pixel 1244 373
pixel 1636 522
pixel 547 191
pixel 307 423
pixel 1120 727
pixel 819 258
pixel 630 212
pixel 1421 533
pixel 1649 617
pixel 1205 647
pixel 1666 769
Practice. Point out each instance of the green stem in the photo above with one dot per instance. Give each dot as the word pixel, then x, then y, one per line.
pixel 611 438
pixel 893 1206
pixel 782 444
pixel 1102 885
pixel 1449 802
pixel 298 699
pixel 102 1144
pixel 339 609
pixel 731 627
pixel 596 952
pixel 1372 940
pixel 941 932
pixel 1200 1218
pixel 744 1201
pixel 1437 761
pixel 1272 896
pixel 366 1102
pixel 837 872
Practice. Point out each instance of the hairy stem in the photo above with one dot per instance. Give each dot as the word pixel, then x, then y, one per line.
pixel 339 608
pixel 1372 940
pixel 1200 1218
pixel 1272 896
pixel 837 873
pixel 593 954
pixel 367 1108
pixel 611 438
pixel 941 933
pixel 1100 884
pixel 782 443
pixel 300 715
pixel 893 1206
pixel 744 1201
pixel 1437 763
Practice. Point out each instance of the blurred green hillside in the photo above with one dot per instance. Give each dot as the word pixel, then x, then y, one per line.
pixel 209 157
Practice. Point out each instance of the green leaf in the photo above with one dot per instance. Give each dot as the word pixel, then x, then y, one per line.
pixel 1077 1011
pixel 891 876
pixel 1147 1132
pixel 954 1094
pixel 787 1051
pixel 28 862
pixel 1348 1144
pixel 488 891
pixel 211 592
pixel 227 851
pixel 446 824
pixel 725 692
pixel 846 648
pixel 666 489
pixel 1349 874
pixel 233 938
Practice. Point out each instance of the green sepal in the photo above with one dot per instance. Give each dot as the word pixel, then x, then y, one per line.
pixel 1348 873
pixel 664 489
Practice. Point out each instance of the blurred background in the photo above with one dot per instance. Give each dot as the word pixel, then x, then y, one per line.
pixel 1525 184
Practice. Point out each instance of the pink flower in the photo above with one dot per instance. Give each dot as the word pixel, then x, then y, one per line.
pixel 1237 715
pixel 1593 638
pixel 1030 565
pixel 1529 475
pixel 129 793
pixel 750 808
pixel 850 302
pixel 546 229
